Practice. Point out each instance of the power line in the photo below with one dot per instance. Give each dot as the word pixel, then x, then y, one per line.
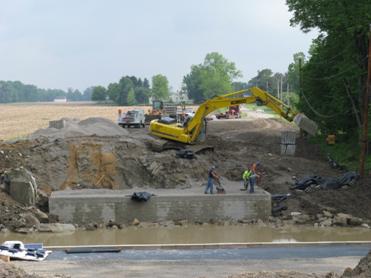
pixel 337 74
pixel 334 58
pixel 319 114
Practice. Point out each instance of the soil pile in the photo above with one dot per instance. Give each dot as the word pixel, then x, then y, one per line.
pixel 362 270
pixel 283 274
pixel 67 127
pixel 7 270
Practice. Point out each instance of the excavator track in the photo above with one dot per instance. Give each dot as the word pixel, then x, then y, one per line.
pixel 160 145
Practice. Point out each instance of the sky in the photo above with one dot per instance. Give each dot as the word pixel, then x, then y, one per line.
pixel 77 44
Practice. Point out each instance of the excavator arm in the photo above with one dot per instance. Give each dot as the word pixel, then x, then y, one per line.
pixel 189 132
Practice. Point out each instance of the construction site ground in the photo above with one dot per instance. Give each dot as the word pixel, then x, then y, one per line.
pixel 123 159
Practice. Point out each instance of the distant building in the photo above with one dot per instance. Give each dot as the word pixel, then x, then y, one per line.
pixel 60 99
pixel 179 97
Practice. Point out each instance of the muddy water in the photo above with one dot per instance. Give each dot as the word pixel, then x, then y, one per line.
pixel 195 234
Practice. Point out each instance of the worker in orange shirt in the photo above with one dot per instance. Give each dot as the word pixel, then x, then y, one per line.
pixel 255 177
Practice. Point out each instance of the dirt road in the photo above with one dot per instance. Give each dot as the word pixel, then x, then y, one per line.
pixel 197 263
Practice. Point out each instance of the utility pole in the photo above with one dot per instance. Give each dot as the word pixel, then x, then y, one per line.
pixel 278 88
pixel 367 92
pixel 288 93
pixel 300 79
pixel 281 88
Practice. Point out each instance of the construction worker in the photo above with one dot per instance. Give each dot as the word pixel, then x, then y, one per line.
pixel 212 176
pixel 245 177
pixel 254 176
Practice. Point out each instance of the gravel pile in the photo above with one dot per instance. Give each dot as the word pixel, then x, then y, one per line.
pixel 67 128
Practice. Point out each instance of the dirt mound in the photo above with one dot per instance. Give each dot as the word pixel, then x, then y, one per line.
pixel 282 274
pixel 8 270
pixel 362 270
pixel 68 127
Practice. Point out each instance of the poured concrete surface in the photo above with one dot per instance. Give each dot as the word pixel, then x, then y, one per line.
pixel 100 206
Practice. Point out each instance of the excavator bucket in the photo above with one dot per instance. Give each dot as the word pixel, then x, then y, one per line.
pixel 306 124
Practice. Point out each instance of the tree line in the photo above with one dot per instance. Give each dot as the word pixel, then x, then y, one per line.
pixel 214 76
pixel 130 90
pixel 16 91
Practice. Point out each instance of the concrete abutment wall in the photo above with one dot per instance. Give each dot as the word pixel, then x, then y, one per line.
pixel 100 206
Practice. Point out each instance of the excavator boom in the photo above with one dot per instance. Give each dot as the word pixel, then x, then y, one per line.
pixel 189 132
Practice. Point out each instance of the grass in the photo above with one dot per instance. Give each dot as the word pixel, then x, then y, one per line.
pixel 19 120
pixel 345 151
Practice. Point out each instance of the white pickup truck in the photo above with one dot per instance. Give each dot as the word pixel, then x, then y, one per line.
pixel 131 118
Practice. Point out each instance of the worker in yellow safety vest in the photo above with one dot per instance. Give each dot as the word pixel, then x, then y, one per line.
pixel 246 179
pixel 250 177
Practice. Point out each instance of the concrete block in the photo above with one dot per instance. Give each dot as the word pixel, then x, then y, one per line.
pixel 23 187
pixel 58 124
pixel 99 206
pixel 306 124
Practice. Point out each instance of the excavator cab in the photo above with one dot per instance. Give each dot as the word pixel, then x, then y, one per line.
pixel 157 106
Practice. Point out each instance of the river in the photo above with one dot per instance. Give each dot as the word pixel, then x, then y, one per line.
pixel 194 234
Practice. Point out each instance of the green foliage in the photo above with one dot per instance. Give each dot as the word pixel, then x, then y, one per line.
pixel 99 93
pixel 335 74
pixel 213 77
pixel 129 90
pixel 160 87
pixel 16 91
pixel 293 73
pixel 131 97
pixel 263 80
pixel 238 86
pixel 345 151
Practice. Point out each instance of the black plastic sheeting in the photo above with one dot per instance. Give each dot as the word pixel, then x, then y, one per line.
pixel 141 196
pixel 188 154
pixel 326 182
pixel 167 120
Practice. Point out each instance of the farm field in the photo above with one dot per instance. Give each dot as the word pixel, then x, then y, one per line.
pixel 19 120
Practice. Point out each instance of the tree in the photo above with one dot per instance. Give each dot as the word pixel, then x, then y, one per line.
pixel 293 73
pixel 125 85
pixel 142 95
pixel 87 93
pixel 213 77
pixel 15 91
pixel 73 95
pixel 334 77
pixel 160 87
pixel 146 83
pixel 99 93
pixel 131 97
pixel 237 86
pixel 263 80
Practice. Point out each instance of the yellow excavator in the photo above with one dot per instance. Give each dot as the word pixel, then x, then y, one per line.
pixel 189 131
